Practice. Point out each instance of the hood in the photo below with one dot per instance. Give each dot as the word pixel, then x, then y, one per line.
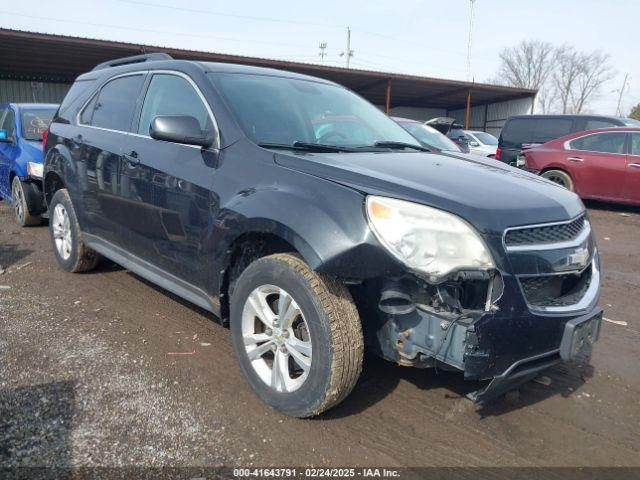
pixel 490 195
pixel 33 149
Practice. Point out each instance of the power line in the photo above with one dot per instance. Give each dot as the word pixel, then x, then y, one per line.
pixel 147 30
pixel 231 15
pixel 293 22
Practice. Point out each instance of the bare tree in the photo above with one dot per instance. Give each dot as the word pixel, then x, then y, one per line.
pixel 566 79
pixel 527 65
pixel 566 71
pixel 594 71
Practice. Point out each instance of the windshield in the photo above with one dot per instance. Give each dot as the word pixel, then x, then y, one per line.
pixel 486 138
pixel 430 136
pixel 34 122
pixel 278 110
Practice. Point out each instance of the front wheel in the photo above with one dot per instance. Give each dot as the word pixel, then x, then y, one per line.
pixel 559 177
pixel 21 206
pixel 297 335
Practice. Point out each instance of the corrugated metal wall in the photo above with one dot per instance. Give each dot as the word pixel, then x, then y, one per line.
pixel 490 118
pixel 32 92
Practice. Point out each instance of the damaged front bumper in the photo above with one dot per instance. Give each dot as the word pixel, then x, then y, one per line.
pixel 577 340
pixel 499 337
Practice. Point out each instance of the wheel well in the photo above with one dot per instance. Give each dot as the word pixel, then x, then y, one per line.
pixel 52 183
pixel 244 250
pixel 547 169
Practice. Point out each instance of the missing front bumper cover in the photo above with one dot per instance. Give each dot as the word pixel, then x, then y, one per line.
pixel 577 340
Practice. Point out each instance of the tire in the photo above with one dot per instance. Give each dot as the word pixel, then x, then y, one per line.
pixel 560 178
pixel 324 319
pixel 68 247
pixel 20 204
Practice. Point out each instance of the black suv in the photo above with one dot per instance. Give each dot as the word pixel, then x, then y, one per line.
pixel 314 225
pixel 525 130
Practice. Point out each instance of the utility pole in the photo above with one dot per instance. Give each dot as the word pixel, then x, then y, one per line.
pixel 471 4
pixel 348 53
pixel 322 54
pixel 624 85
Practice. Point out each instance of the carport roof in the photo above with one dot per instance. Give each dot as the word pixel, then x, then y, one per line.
pixel 46 57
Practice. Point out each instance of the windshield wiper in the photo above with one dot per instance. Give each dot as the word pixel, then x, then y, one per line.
pixel 307 147
pixel 399 145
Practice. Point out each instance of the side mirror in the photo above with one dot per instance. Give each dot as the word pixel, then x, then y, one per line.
pixel 474 144
pixel 180 129
pixel 4 137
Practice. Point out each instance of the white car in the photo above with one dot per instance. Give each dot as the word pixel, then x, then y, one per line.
pixel 482 143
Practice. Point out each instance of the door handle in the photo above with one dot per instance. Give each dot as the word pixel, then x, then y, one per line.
pixel 634 165
pixel 575 159
pixel 132 158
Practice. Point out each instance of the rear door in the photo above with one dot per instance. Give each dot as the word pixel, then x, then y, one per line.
pixel 632 174
pixel 597 163
pixel 104 130
pixel 174 204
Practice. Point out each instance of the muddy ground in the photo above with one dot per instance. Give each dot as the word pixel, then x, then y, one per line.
pixel 106 369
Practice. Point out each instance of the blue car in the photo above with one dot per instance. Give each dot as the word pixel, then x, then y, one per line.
pixel 21 128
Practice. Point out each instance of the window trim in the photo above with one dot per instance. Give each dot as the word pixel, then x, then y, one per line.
pixel 216 145
pixel 567 144
pixel 97 92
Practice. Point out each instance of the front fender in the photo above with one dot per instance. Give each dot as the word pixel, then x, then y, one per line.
pixel 325 223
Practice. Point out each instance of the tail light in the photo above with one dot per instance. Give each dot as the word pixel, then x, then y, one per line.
pixel 498 153
pixel 45 135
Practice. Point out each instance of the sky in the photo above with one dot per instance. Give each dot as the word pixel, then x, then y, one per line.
pixel 422 37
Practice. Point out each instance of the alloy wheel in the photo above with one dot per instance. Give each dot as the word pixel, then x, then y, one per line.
pixel 18 201
pixel 276 338
pixel 62 231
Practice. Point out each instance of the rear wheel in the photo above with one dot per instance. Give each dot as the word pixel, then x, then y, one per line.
pixel 561 178
pixel 297 335
pixel 21 205
pixel 68 247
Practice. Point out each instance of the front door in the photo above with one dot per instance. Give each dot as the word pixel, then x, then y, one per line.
pixel 174 203
pixel 8 151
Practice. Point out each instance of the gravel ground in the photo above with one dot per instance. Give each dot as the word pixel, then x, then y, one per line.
pixel 104 369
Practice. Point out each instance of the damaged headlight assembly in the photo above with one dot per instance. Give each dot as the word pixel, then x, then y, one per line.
pixel 426 239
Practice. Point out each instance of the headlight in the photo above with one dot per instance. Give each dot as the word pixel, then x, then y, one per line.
pixel 425 238
pixel 35 170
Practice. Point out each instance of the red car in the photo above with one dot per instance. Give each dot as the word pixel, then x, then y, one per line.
pixel 601 164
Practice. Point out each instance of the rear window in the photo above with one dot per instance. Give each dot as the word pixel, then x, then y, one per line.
pixel 594 124
pixel 534 130
pixel 113 106
pixel 74 93
pixel 35 122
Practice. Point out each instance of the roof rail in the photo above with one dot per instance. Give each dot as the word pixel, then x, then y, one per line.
pixel 147 57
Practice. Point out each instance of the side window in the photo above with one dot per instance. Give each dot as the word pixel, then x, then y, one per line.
pixel 87 113
pixel 172 95
pixel 549 128
pixel 593 124
pixel 114 105
pixel 635 144
pixel 600 142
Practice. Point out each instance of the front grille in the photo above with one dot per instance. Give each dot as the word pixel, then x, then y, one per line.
pixel 545 234
pixel 556 290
